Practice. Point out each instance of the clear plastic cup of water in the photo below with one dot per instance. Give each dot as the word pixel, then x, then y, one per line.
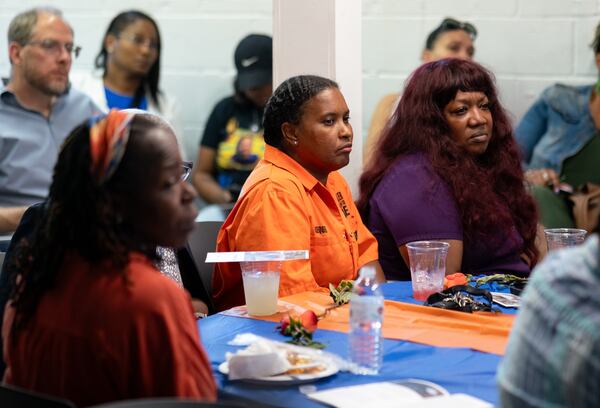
pixel 557 238
pixel 427 267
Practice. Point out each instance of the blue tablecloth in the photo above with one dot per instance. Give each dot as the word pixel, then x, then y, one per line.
pixel 401 291
pixel 456 369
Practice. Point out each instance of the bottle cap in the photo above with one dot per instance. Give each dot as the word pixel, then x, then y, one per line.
pixel 367 271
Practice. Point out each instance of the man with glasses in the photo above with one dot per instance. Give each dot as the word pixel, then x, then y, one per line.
pixel 37 109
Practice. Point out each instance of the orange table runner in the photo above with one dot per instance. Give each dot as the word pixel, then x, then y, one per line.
pixel 483 331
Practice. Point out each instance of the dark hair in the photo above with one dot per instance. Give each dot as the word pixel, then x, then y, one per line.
pixel 285 105
pixel 488 189
pixel 596 42
pixel 150 81
pixel 82 217
pixel 450 24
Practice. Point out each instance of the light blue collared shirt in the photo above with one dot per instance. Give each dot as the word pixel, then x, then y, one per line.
pixel 29 144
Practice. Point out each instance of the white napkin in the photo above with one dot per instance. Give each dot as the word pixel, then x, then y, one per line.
pixel 260 359
pixel 250 339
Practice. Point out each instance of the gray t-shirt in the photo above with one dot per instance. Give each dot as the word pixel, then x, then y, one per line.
pixel 29 144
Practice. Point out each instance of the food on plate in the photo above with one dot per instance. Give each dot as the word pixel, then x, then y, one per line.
pixel 303 364
pixel 260 359
pixel 265 359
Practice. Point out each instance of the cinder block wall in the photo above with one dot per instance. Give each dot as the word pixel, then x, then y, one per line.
pixel 199 38
pixel 529 44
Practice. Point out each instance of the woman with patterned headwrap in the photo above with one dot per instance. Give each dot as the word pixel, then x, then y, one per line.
pixel 90 318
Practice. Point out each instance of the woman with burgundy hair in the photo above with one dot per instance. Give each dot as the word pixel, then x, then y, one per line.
pixel 449 169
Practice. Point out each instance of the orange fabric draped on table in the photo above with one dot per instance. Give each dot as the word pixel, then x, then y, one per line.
pixel 482 331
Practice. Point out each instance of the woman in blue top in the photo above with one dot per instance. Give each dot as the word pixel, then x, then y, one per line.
pixel 559 139
pixel 128 69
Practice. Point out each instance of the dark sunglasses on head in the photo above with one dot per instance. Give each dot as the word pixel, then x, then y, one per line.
pixel 187 170
pixel 452 24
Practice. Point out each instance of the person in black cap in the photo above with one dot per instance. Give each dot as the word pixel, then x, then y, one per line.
pixel 232 143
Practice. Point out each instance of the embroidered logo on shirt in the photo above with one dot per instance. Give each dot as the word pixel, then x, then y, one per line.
pixel 321 229
pixel 342 204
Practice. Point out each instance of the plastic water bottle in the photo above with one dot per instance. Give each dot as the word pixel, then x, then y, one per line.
pixel 366 319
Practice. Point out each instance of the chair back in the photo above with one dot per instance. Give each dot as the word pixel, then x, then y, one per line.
pixel 169 403
pixel 201 241
pixel 16 397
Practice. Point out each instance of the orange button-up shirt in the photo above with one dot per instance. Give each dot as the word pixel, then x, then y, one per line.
pixel 283 207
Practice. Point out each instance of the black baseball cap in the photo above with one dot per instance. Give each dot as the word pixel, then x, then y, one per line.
pixel 254 61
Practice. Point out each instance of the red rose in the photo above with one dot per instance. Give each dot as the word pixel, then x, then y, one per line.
pixel 283 324
pixel 300 329
pixel 455 279
pixel 309 321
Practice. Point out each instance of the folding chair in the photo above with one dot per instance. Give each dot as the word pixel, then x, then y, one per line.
pixel 195 273
pixel 16 397
pixel 169 403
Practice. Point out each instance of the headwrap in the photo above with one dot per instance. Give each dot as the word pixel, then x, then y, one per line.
pixel 108 140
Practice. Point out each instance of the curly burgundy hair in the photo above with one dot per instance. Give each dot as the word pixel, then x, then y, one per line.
pixel 489 188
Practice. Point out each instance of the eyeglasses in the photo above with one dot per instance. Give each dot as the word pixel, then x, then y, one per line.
pixel 140 41
pixel 187 170
pixel 452 24
pixel 55 48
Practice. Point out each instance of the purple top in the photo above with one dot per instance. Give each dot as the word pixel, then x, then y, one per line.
pixel 412 203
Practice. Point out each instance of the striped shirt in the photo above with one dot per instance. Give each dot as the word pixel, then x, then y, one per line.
pixel 553 355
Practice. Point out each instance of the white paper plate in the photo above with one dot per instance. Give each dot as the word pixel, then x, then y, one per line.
pixel 287 379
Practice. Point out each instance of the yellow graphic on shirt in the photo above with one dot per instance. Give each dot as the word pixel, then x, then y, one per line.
pixel 242 149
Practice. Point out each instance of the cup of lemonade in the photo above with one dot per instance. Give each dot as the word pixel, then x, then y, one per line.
pixel 261 286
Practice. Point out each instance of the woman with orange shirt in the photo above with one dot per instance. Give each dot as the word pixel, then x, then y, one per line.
pixel 90 318
pixel 296 199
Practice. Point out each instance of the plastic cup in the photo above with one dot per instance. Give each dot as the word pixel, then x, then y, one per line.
pixel 261 286
pixel 427 267
pixel 557 238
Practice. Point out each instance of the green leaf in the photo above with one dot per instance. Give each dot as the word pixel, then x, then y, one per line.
pixel 341 294
pixel 504 279
pixel 309 343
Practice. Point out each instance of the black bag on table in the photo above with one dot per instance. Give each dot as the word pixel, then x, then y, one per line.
pixel 463 298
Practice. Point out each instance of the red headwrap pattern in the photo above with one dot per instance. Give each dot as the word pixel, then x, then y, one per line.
pixel 108 140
